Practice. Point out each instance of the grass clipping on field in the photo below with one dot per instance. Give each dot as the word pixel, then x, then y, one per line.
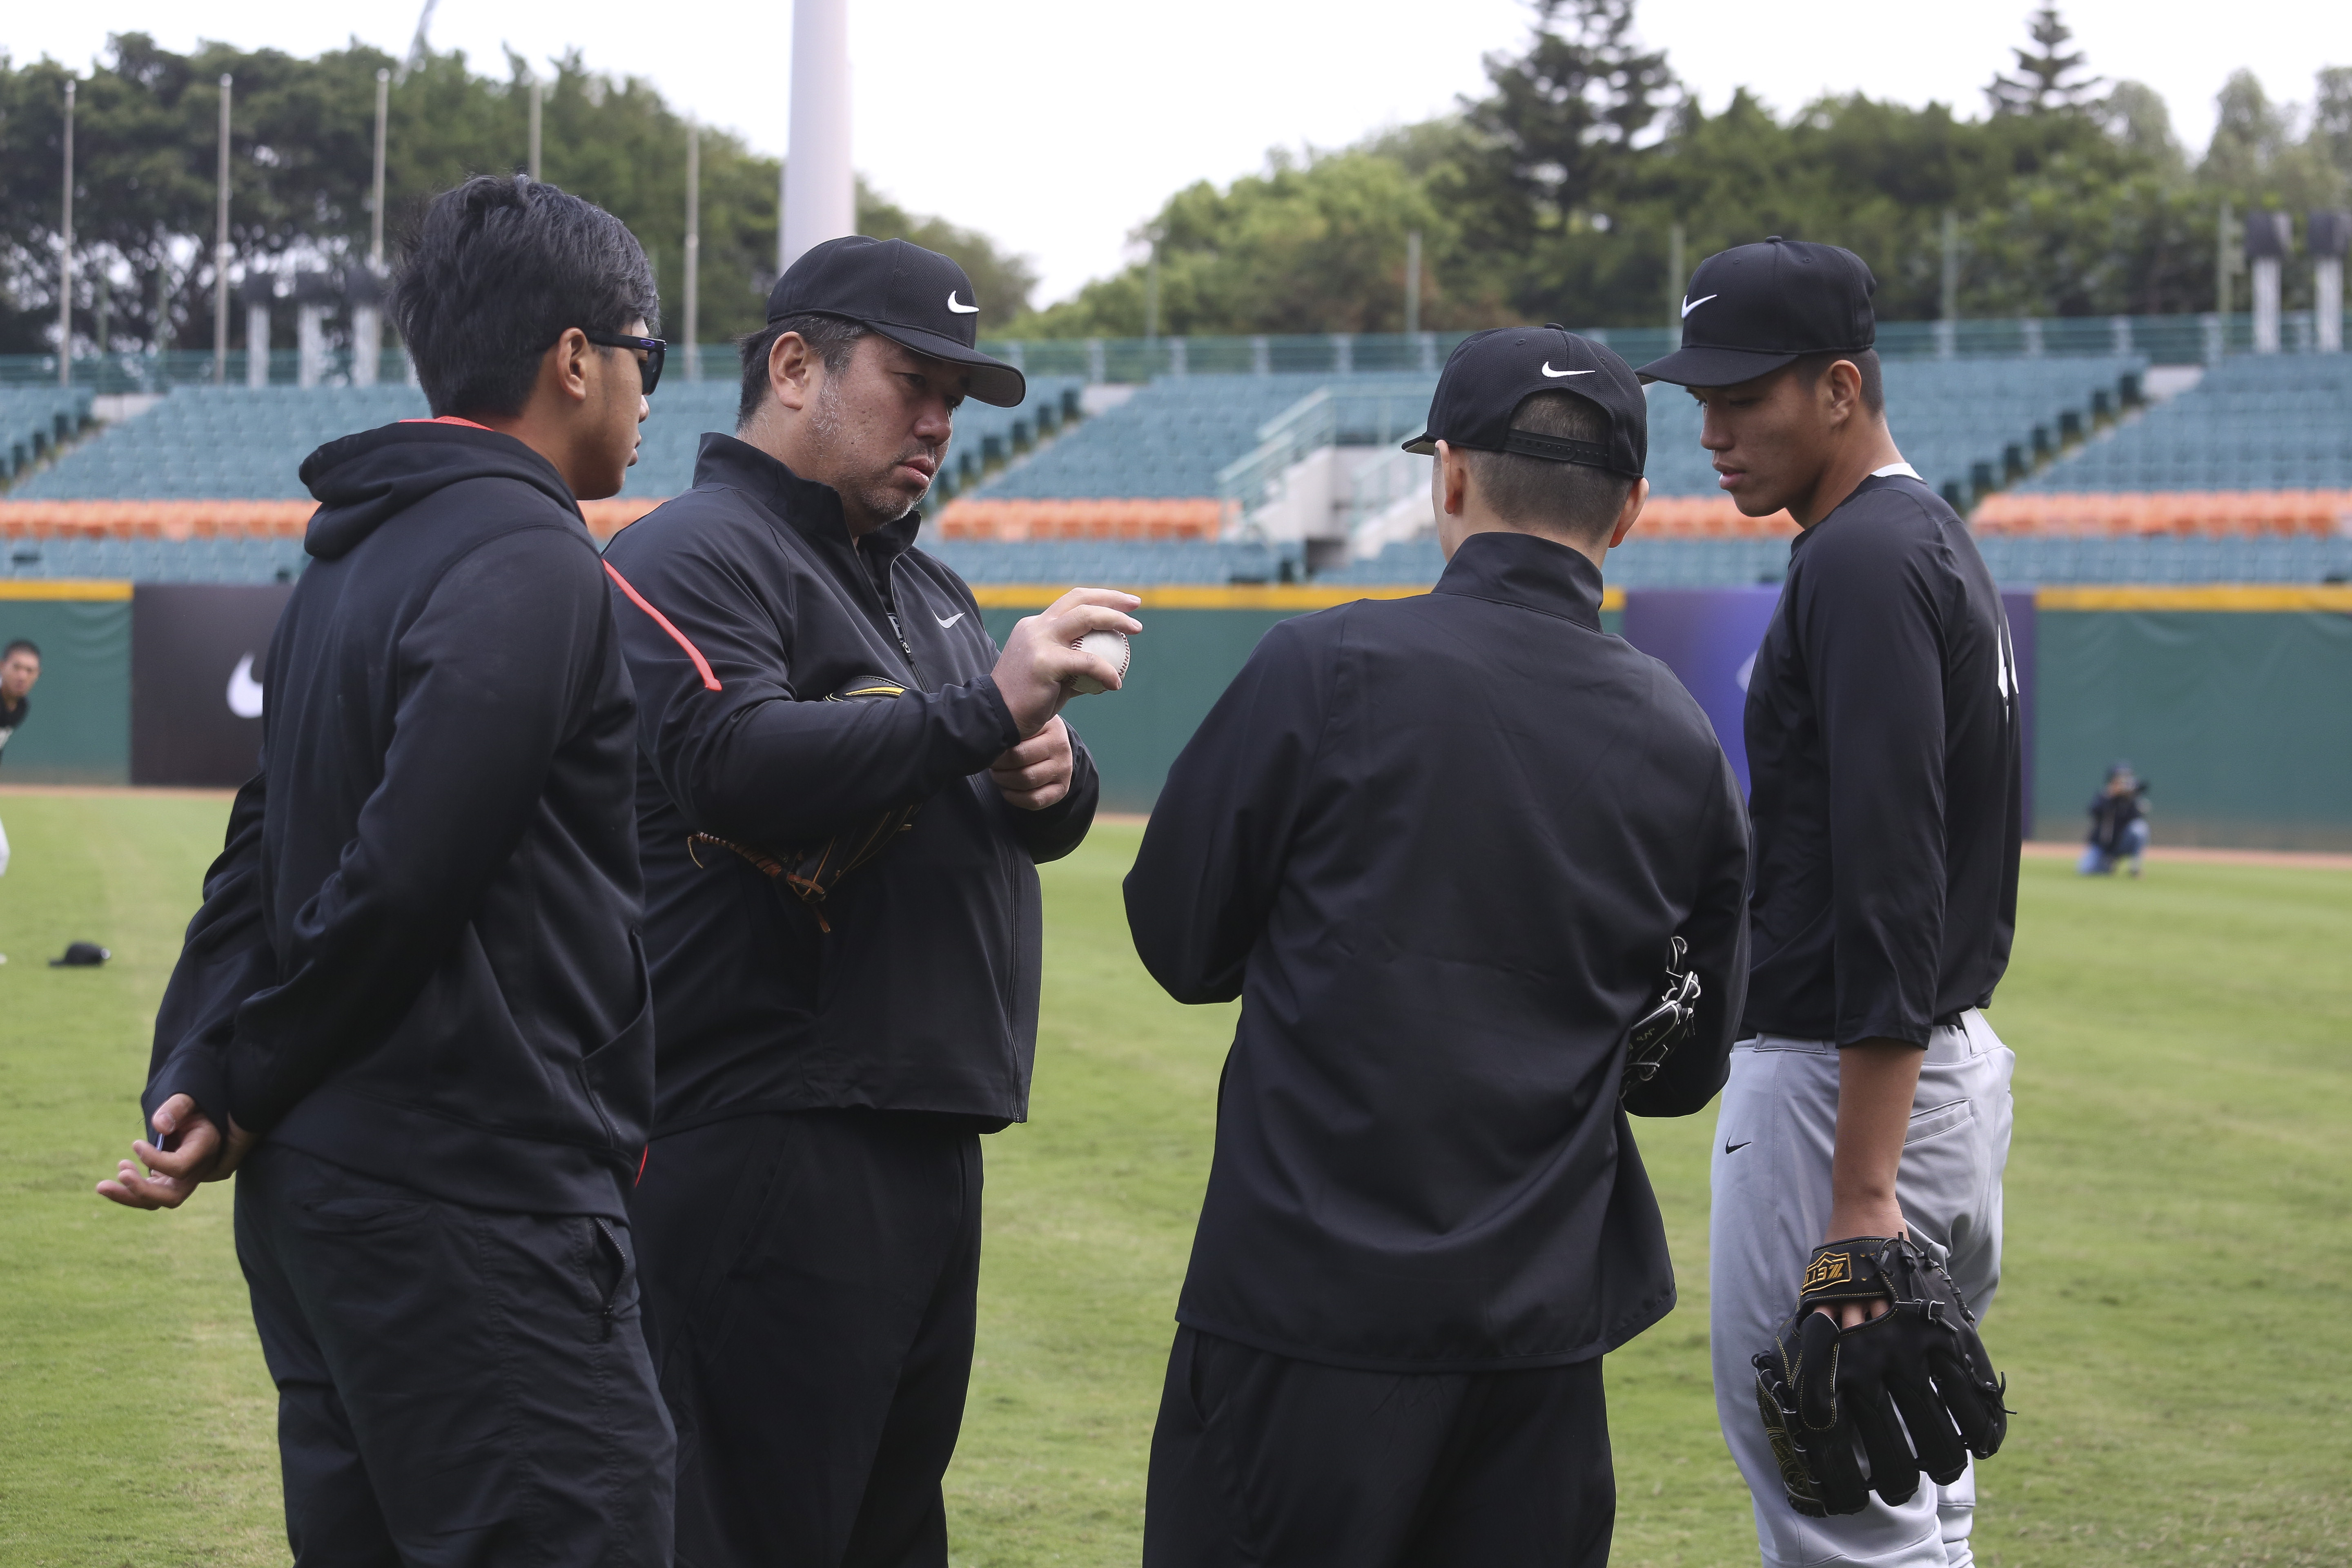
pixel 2170 1314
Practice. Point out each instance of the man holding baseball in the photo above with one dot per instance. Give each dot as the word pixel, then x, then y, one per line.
pixel 1858 1166
pixel 1444 849
pixel 845 788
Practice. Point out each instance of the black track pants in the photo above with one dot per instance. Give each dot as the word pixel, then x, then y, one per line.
pixel 457 1387
pixel 810 1283
pixel 1261 1459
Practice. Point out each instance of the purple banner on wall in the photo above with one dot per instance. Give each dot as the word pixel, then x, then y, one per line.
pixel 1708 637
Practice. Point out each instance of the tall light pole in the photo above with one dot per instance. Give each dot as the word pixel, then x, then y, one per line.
pixel 820 192
pixel 536 92
pixel 367 311
pixel 1412 283
pixel 693 248
pixel 65 260
pixel 220 249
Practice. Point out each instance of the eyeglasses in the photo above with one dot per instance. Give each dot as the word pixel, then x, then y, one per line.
pixel 649 368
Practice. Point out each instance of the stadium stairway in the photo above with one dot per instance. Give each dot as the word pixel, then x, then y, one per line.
pixel 35 421
pixel 2262 422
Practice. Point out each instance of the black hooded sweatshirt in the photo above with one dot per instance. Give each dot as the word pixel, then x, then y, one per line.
pixel 417 953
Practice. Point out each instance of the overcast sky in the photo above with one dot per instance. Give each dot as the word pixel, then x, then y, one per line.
pixel 1059 125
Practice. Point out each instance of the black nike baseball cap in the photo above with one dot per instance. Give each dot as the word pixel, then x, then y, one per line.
pixel 916 298
pixel 1490 373
pixel 1752 309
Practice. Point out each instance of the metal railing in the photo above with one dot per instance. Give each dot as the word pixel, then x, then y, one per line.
pixel 2161 340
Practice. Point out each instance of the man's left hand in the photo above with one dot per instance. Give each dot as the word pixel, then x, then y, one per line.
pixel 1035 773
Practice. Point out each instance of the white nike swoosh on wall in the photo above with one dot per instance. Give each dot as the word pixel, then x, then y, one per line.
pixel 949 621
pixel 1690 304
pixel 243 691
pixel 961 310
pixel 1555 374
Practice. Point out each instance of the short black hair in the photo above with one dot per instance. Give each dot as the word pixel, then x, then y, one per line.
pixel 832 337
pixel 496 270
pixel 22 645
pixel 1812 367
pixel 1574 498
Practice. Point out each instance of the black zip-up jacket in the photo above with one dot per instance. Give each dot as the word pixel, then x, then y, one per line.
pixel 417 953
pixel 1882 756
pixel 743 605
pixel 1438 846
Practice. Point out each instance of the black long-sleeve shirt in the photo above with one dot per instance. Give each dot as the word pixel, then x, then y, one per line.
pixel 1438 846
pixel 743 605
pixel 1883 751
pixel 416 954
pixel 13 718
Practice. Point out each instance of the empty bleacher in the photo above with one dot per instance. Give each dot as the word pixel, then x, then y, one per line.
pixel 1167 440
pixel 233 559
pixel 241 443
pixel 1121 563
pixel 34 420
pixel 225 443
pixel 2267 440
pixel 1948 416
pixel 2014 562
pixel 2252 423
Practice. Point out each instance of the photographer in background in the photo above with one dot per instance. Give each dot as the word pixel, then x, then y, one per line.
pixel 2119 824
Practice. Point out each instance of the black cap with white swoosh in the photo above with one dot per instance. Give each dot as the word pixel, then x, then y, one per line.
pixel 1752 309
pixel 916 298
pixel 1490 373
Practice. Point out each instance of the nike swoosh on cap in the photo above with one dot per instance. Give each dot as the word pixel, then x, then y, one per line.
pixel 949 621
pixel 1548 371
pixel 1690 304
pixel 974 309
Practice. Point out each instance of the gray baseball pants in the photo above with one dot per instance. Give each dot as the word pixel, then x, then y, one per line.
pixel 1775 1134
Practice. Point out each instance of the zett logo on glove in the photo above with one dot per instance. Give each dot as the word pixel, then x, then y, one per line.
pixel 1829 1269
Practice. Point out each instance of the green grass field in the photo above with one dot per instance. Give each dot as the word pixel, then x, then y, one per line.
pixel 2171 1319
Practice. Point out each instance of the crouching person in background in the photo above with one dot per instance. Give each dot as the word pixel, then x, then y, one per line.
pixel 413 1013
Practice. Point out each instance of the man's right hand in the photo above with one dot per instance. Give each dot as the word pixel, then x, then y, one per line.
pixel 1034 670
pixel 193 1152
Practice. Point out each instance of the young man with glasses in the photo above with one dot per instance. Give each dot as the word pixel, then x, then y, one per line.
pixel 413 1014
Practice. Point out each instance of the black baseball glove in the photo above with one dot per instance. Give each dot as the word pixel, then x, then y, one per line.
pixel 1821 1390
pixel 811 871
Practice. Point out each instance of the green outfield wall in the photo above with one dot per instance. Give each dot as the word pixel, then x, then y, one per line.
pixel 2240 718
pixel 2236 703
pixel 80 729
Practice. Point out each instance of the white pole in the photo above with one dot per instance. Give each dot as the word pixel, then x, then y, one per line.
pixel 221 250
pixel 2327 302
pixel 65 262
pixel 2266 304
pixel 1412 283
pixel 535 127
pixel 367 321
pixel 693 248
pixel 376 219
pixel 820 192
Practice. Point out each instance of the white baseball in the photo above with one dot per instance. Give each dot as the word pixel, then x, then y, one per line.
pixel 1111 647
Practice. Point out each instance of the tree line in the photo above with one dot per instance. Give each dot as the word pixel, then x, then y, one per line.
pixel 146 141
pixel 1556 195
pixel 1561 193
